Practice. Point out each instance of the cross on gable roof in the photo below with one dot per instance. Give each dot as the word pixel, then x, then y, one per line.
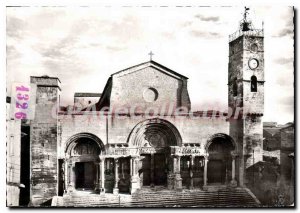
pixel 149 64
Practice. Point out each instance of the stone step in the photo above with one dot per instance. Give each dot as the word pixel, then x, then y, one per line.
pixel 196 202
pixel 164 198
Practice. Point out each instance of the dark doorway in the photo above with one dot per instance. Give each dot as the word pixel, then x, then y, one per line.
pixel 185 170
pixel 85 175
pixel 25 165
pixel 198 171
pixel 160 169
pixel 60 177
pixel 219 164
pixel 216 172
pixel 109 173
pixel 145 171
pixel 124 175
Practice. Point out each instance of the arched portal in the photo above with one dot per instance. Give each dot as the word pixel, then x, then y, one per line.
pixel 219 169
pixel 156 136
pixel 157 133
pixel 82 158
pixel 73 140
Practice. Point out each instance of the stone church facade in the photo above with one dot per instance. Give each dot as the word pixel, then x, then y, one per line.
pixel 106 148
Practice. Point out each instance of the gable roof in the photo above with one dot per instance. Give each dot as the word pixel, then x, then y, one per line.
pixel 150 63
pixel 104 100
pixel 272 131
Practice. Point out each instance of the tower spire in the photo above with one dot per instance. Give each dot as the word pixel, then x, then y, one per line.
pixel 246 25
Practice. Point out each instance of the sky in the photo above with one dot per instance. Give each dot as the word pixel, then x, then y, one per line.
pixel 83 46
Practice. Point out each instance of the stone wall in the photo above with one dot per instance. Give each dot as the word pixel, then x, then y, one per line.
pixel 287 138
pixel 114 130
pixel 253 101
pixel 253 140
pixel 247 130
pixel 258 54
pixel 148 87
pixel 235 67
pixel 43 141
pixel 272 139
pixel 13 139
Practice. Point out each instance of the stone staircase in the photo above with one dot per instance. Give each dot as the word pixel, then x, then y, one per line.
pixel 237 197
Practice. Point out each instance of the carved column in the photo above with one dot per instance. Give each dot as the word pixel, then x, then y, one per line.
pixel 171 173
pixel 225 162
pixel 135 180
pixel 66 183
pixel 192 158
pixel 152 170
pixel 233 180
pixel 69 165
pixel 174 164
pixel 178 179
pixel 72 176
pixel 116 188
pixel 102 176
pixel 131 167
pixel 97 177
pixel 205 171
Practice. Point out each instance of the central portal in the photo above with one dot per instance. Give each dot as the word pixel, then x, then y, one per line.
pixel 85 175
pixel 154 139
pixel 160 169
pixel 153 170
pixel 216 173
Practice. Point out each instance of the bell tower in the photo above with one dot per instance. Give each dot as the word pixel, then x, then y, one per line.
pixel 246 94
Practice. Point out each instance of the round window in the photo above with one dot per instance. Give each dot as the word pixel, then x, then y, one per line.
pixel 150 94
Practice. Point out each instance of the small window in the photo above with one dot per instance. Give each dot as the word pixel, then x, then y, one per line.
pixel 254 48
pixel 253 83
pixel 234 87
pixel 185 163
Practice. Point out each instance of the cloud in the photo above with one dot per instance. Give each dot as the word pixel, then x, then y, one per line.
pixel 205 34
pixel 288 25
pixel 81 45
pixel 208 18
pixel 66 68
pixel 283 81
pixel 15 27
pixel 115 48
pixel 287 101
pixel 64 47
pixel 186 24
pixel 285 32
pixel 12 53
pixel 59 49
pixel 283 61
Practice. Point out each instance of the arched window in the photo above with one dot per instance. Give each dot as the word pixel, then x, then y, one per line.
pixel 253 83
pixel 234 87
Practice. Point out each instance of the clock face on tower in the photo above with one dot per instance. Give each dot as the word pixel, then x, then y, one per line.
pixel 253 63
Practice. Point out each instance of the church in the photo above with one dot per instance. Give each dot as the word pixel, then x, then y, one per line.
pixel 140 133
